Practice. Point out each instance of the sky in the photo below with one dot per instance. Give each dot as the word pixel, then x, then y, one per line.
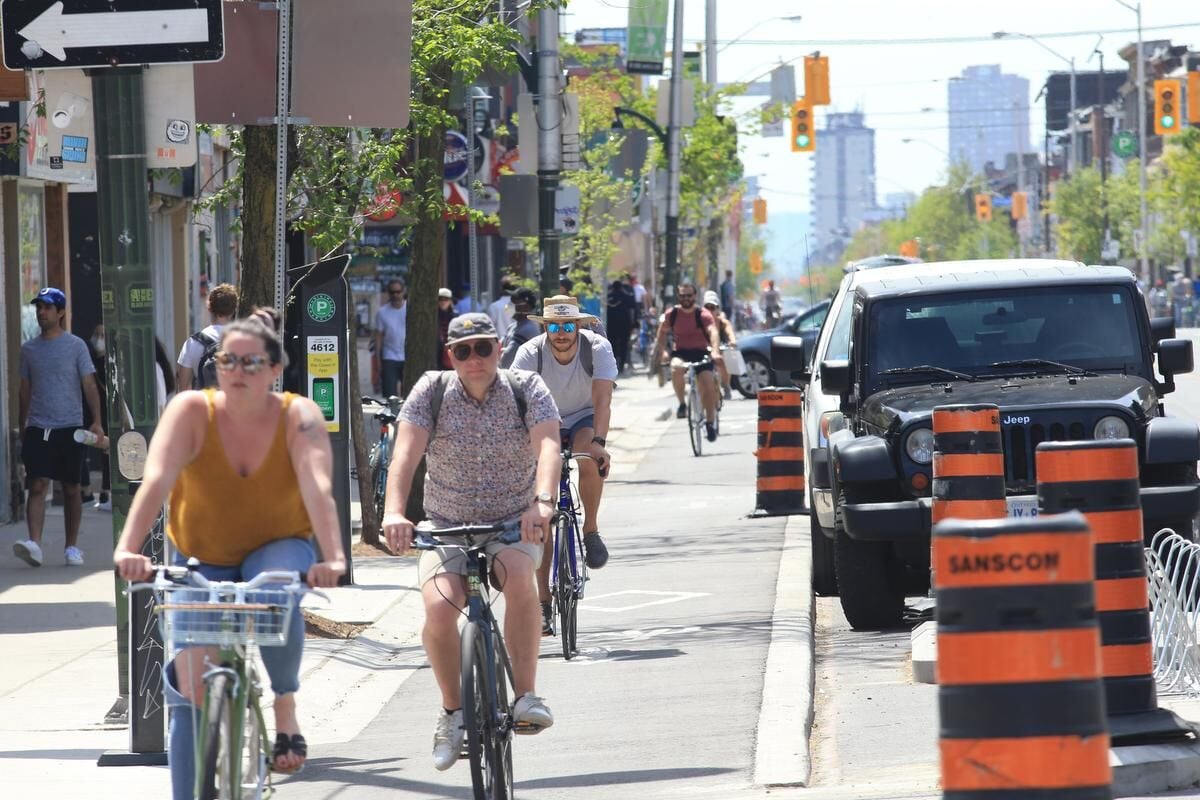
pixel 883 64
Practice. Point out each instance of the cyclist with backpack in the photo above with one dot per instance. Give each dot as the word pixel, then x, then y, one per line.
pixel 695 336
pixel 580 369
pixel 196 367
pixel 490 440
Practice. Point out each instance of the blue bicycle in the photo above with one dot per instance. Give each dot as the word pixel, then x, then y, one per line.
pixel 568 570
pixel 381 452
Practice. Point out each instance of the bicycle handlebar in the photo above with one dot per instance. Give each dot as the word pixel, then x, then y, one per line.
pixel 427 537
pixel 167 575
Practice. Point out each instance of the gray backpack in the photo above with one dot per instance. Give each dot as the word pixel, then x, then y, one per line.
pixel 585 353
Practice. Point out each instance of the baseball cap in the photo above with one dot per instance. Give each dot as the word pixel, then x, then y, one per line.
pixel 711 299
pixel 471 326
pixel 446 293
pixel 51 296
pixel 525 297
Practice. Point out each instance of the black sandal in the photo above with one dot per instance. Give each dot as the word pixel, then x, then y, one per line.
pixel 285 744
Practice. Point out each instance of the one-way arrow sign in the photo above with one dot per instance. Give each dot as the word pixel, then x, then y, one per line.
pixel 41 34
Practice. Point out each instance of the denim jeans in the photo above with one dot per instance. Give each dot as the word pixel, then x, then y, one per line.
pixel 282 662
pixel 391 376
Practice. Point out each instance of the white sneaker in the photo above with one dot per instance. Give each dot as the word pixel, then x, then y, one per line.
pixel 74 557
pixel 28 551
pixel 105 505
pixel 531 714
pixel 448 740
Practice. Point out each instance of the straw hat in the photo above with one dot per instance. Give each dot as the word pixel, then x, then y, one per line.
pixel 561 308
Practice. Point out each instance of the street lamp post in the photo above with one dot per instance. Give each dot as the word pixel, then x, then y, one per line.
pixel 1143 217
pixel 1071 63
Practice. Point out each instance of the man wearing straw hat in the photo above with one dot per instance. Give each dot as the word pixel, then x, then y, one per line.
pixel 579 367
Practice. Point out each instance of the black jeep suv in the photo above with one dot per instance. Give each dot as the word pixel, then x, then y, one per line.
pixel 1067 352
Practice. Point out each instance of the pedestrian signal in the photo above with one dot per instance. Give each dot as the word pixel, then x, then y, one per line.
pixel 804 138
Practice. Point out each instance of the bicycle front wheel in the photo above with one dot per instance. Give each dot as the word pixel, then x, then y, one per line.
pixel 489 755
pixel 695 412
pixel 564 589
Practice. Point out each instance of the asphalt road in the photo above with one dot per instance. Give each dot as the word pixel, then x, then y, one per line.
pixel 664 699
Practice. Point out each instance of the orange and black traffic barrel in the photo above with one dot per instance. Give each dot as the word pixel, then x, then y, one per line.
pixel 1100 479
pixel 780 453
pixel 968 463
pixel 1021 704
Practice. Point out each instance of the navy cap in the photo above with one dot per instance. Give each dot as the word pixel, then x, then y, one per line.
pixel 51 296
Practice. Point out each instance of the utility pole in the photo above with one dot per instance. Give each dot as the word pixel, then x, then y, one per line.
pixel 549 120
pixel 674 146
pixel 1099 118
pixel 710 43
pixel 1143 262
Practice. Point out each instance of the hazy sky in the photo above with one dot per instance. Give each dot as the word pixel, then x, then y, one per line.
pixel 882 63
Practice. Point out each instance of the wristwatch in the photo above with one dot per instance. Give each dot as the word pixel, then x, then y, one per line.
pixel 599 440
pixel 545 497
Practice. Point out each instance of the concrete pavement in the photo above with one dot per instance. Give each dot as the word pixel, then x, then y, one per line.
pixel 58 674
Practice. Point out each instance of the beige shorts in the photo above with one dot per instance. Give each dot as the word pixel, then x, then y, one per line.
pixel 435 562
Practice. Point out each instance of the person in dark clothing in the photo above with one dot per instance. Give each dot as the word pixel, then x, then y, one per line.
pixel 525 302
pixel 446 313
pixel 98 350
pixel 622 313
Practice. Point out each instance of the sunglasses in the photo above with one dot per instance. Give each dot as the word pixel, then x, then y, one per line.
pixel 481 347
pixel 565 327
pixel 251 363
pixel 687 296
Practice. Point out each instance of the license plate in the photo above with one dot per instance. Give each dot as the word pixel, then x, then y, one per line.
pixel 1023 506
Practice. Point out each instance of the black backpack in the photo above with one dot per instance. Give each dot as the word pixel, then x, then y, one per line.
pixel 674 312
pixel 443 380
pixel 205 374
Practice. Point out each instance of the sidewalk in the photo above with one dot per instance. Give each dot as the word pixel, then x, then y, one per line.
pixel 58 674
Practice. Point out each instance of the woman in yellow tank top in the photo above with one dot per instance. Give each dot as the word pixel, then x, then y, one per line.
pixel 220 454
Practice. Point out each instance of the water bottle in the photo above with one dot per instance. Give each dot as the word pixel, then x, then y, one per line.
pixel 90 439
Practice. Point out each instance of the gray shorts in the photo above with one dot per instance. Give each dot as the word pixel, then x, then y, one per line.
pixel 454 562
pixel 567 435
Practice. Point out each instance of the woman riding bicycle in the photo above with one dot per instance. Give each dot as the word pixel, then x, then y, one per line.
pixel 219 453
pixel 727 338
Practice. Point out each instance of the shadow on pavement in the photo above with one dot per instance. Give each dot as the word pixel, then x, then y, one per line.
pixel 42 617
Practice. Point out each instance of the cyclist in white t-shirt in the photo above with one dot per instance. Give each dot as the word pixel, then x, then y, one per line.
pixel 581 384
pixel 222 307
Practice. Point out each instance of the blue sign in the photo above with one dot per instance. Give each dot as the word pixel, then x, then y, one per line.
pixel 454 163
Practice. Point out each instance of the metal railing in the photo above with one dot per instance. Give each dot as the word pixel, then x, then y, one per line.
pixel 1173 572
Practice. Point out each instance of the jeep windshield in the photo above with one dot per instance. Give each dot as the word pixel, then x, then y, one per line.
pixel 1038 330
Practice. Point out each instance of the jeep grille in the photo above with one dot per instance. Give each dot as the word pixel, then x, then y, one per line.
pixel 1021 441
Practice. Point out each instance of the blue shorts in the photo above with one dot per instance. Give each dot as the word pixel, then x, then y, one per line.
pixel 567 435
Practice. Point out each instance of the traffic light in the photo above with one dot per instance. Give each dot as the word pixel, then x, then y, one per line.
pixel 1020 205
pixel 1166 107
pixel 804 136
pixel 1193 97
pixel 756 262
pixel 983 207
pixel 816 79
pixel 760 211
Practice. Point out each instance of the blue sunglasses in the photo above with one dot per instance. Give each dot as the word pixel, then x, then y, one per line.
pixel 565 327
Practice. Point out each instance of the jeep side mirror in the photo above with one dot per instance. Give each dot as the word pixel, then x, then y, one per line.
pixel 835 377
pixel 1175 357
pixel 787 354
pixel 1161 328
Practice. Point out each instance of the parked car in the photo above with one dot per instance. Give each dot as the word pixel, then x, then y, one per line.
pixel 756 350
pixel 1067 351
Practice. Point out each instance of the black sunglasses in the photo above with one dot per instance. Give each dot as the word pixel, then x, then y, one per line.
pixel 251 363
pixel 482 348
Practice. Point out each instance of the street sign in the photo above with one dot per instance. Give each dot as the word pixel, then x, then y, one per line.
pixel 566 210
pixel 39 34
pixel 1124 144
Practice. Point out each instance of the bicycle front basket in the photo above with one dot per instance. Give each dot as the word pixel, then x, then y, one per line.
pixel 223 617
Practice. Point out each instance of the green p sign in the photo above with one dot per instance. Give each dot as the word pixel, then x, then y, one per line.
pixel 321 307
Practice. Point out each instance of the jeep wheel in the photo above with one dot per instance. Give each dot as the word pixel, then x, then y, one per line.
pixel 824 571
pixel 870 581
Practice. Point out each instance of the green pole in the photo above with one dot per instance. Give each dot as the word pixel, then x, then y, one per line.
pixel 127 300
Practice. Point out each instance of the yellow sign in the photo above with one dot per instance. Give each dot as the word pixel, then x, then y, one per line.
pixel 756 264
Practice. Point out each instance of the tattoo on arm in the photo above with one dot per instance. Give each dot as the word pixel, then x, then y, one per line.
pixel 311 424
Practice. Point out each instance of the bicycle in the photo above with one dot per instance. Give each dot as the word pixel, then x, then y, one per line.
pixel 381 452
pixel 486 671
pixel 568 570
pixel 233 747
pixel 695 408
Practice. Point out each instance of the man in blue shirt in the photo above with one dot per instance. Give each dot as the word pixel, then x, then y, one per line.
pixel 391 325
pixel 57 374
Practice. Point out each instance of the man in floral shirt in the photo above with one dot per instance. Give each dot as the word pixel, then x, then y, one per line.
pixel 485 464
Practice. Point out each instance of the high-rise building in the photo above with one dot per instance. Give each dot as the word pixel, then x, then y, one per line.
pixel 989 116
pixel 843 188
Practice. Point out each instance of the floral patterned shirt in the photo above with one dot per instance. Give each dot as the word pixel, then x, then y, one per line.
pixel 480 464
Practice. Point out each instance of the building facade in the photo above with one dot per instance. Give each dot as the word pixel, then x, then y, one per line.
pixel 843 181
pixel 989 116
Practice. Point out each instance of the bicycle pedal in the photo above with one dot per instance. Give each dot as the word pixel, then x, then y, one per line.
pixel 526 728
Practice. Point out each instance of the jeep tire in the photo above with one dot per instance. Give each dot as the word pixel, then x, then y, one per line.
pixel 824 570
pixel 869 579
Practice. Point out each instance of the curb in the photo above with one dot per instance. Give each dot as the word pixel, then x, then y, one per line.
pixel 781 752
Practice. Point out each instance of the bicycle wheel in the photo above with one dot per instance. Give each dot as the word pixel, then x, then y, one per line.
pixel 380 464
pixel 481 717
pixel 564 589
pixel 695 412
pixel 216 759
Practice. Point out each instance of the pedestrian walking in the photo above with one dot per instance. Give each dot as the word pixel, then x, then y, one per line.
pixel 391 325
pixel 445 306
pixel 728 297
pixel 622 313
pixel 523 329
pixel 501 311
pixel 98 351
pixel 196 368
pixel 57 376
